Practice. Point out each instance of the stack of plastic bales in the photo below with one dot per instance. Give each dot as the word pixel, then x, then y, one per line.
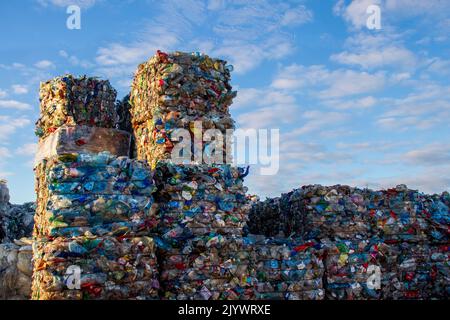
pixel 180 91
pixel 95 209
pixel 360 228
pixel 197 199
pixel 96 193
pixel 397 214
pixel 199 202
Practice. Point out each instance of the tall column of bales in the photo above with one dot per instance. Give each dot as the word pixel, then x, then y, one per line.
pixel 202 205
pixel 95 208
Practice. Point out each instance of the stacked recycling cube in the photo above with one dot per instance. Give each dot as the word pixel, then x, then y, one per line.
pixel 283 269
pixel 178 91
pixel 242 268
pixel 359 269
pixel 422 272
pixel 69 100
pixel 196 200
pixel 96 193
pixel 95 208
pixel 109 268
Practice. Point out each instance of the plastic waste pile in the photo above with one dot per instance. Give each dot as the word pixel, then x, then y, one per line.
pixel 110 227
pixel 192 92
pixel 202 210
pixel 16 221
pixel 96 193
pixel 69 100
pixel 421 271
pixel 216 267
pixel 95 210
pixel 196 200
pixel 284 269
pixel 16 269
pixel 112 268
pixel 363 228
pixel 359 269
pixel 178 91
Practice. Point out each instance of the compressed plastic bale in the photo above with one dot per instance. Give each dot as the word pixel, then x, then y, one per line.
pixel 138 290
pixel 422 271
pixel 397 214
pixel 70 100
pixel 195 200
pixel 83 139
pixel 315 212
pixel 16 221
pixel 110 268
pixel 233 267
pixel 359 269
pixel 16 266
pixel 99 193
pixel 4 191
pixel 170 92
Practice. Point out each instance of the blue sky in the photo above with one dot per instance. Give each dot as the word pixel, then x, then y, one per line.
pixel 354 106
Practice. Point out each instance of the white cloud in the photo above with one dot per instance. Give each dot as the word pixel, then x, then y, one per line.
pixel 296 16
pixel 75 61
pixel 431 155
pixel 244 33
pixel 44 64
pixel 439 66
pixel 355 12
pixel 13 104
pixel 362 103
pixel 19 89
pixel 245 56
pixel 386 56
pixel 253 97
pixel 4 153
pixel 66 3
pixel 425 108
pixel 117 60
pixel 370 51
pixel 328 83
pixel 319 120
pixel 27 149
pixel 3 93
pixel 268 117
pixel 8 126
